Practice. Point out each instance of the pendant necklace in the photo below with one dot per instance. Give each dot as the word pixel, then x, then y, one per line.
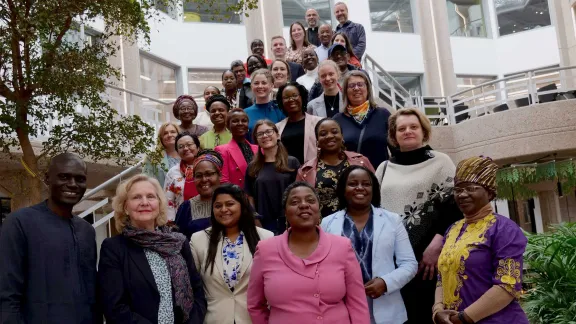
pixel 333 102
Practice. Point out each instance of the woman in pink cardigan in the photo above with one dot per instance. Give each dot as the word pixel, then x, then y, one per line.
pixel 323 171
pixel 305 274
pixel 238 153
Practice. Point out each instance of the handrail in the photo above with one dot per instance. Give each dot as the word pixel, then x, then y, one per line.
pixel 140 95
pixel 110 181
pixel 367 58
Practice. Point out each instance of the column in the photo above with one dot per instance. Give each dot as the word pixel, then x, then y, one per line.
pixel 439 76
pixel 264 23
pixel 562 14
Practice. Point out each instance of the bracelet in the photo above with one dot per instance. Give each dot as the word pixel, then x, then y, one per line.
pixel 462 318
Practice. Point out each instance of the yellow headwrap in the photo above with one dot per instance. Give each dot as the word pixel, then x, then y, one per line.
pixel 480 170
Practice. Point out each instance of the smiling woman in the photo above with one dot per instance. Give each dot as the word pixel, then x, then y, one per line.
pixel 296 130
pixel 194 214
pixel 223 253
pixel 217 106
pixel 166 149
pixel 317 270
pixel 374 231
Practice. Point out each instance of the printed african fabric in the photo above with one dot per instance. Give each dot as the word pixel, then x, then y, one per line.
pixel 476 257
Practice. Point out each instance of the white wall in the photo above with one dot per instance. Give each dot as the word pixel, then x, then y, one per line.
pixel 198 45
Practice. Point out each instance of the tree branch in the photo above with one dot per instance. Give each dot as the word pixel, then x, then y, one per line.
pixel 57 43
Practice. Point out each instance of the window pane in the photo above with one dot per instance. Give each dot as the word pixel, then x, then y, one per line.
pixel 295 10
pixel 211 13
pixel 391 16
pixel 466 18
pixel 515 16
pixel 198 80
pixel 167 9
pixel 409 82
pixel 157 81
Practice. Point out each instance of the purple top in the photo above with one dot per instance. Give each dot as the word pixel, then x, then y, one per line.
pixel 478 256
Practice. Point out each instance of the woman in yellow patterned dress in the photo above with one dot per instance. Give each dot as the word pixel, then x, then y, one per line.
pixel 480 267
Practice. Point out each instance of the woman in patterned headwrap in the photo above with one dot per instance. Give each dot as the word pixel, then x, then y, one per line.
pixel 194 214
pixel 480 267
pixel 185 109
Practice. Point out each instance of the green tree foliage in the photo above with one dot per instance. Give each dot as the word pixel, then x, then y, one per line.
pixel 551 262
pixel 52 87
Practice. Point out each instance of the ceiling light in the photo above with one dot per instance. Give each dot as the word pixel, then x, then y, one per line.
pixel 169 82
pixel 143 77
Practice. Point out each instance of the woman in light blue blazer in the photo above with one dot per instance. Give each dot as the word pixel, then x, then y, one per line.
pixel 166 150
pixel 379 238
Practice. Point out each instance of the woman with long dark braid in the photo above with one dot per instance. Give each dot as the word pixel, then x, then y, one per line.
pixel 223 254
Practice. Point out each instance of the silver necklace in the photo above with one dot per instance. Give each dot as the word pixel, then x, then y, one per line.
pixel 333 102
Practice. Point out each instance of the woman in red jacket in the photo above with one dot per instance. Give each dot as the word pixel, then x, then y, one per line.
pixel 323 171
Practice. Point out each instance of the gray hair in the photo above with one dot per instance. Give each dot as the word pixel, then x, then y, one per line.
pixel 361 74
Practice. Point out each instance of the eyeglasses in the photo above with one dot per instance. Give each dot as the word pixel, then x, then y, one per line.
pixel 188 146
pixel 207 175
pixel 359 85
pixel 293 97
pixel 469 189
pixel 267 132
pixel 186 109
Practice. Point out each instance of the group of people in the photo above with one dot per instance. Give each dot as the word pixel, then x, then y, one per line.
pixel 277 202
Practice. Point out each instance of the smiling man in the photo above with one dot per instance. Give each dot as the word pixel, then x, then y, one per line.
pixel 310 62
pixel 325 35
pixel 279 50
pixel 354 31
pixel 48 255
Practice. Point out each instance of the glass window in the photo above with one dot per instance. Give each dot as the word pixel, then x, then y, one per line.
pixel 410 82
pixel 157 81
pixel 211 12
pixel 391 16
pixel 295 10
pixel 466 18
pixel 198 80
pixel 167 9
pixel 515 16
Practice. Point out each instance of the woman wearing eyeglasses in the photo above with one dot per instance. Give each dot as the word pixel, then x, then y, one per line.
pixel 268 175
pixel 364 124
pixel 297 130
pixel 480 267
pixel 186 110
pixel 194 214
pixel 179 183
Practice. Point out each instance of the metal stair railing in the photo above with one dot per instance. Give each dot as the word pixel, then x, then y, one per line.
pixel 385 86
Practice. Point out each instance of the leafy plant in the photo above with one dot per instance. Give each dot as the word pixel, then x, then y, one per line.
pixel 551 276
pixel 52 85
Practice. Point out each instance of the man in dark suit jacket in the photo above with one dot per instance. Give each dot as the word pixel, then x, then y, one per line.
pixel 279 49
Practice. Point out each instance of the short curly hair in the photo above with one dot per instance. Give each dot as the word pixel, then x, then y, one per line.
pixel 301 90
pixel 119 201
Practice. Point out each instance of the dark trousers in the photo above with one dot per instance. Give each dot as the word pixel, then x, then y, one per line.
pixel 418 298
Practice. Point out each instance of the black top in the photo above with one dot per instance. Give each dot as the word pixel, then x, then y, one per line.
pixel 296 71
pixel 47 268
pixel 413 157
pixel 313 36
pixel 332 104
pixel 293 139
pixel 127 288
pixel 370 138
pixel 267 189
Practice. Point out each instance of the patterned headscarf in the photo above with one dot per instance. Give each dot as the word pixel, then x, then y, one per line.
pixel 210 158
pixel 480 170
pixel 176 107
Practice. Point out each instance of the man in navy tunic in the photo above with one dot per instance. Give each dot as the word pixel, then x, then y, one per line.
pixel 48 255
